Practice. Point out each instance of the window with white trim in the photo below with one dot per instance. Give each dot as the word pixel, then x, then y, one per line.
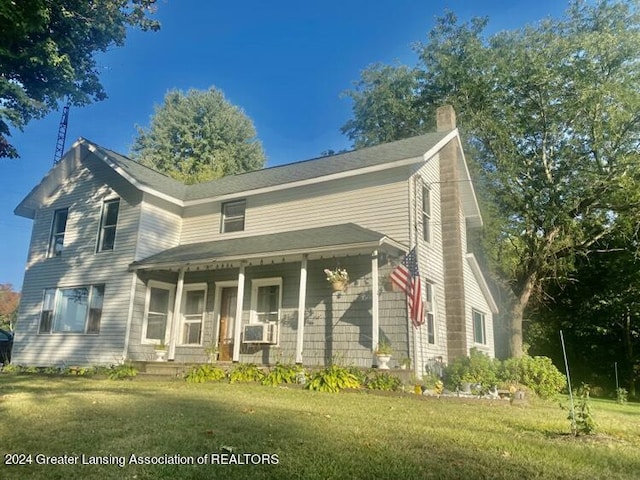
pixel 426 213
pixel 157 312
pixel 266 300
pixel 194 298
pixel 108 223
pixel 58 228
pixel 72 310
pixel 233 214
pixel 429 317
pixel 479 327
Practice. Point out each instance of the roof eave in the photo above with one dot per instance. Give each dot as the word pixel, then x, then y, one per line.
pixel 355 246
pixel 482 283
pixel 72 158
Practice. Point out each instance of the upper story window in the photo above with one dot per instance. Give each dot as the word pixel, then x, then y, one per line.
pixel 426 213
pixel 108 223
pixel 58 228
pixel 479 328
pixel 233 216
pixel 72 310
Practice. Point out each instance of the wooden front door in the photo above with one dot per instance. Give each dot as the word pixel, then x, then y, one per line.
pixel 228 299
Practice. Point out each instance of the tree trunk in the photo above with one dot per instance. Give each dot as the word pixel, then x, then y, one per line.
pixel 517 314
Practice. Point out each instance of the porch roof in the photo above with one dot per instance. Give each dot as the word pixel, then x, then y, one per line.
pixel 333 238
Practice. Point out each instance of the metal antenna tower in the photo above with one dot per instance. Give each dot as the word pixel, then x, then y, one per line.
pixel 62 134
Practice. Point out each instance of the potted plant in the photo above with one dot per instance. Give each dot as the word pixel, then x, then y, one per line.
pixel 161 351
pixel 338 278
pixel 383 354
pixel 405 363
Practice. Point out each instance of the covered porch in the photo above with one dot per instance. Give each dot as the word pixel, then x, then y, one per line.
pixel 265 298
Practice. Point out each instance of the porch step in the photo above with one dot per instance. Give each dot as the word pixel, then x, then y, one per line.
pixel 163 369
pixel 178 369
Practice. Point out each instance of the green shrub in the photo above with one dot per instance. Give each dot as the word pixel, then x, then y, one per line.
pixel 122 371
pixel 245 372
pixel 478 368
pixel 11 368
pixel 360 373
pixel 621 395
pixel 205 373
pixel 333 379
pixel 538 374
pixel 383 381
pixel 283 373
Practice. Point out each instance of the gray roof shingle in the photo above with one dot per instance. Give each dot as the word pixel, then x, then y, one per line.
pixel 244 182
pixel 332 237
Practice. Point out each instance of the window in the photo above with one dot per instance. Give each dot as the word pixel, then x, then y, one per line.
pixel 429 317
pixel 193 308
pixel 157 311
pixel 479 334
pixel 233 216
pixel 431 329
pixel 266 300
pixel 58 228
pixel 108 222
pixel 426 213
pixel 72 310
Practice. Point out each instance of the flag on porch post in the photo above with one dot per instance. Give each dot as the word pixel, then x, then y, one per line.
pixel 407 277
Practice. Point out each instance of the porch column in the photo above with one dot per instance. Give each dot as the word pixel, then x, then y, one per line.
pixel 375 313
pixel 238 320
pixel 302 295
pixel 175 318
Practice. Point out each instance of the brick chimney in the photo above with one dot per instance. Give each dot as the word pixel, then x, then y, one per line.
pixel 453 250
pixel 445 118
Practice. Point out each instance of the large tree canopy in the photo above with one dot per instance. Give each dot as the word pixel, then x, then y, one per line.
pixel 47 53
pixel 552 113
pixel 199 136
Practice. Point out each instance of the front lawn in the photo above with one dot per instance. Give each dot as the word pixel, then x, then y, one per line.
pixel 287 433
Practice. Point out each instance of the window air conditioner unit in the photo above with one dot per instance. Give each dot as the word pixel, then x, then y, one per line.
pixel 260 333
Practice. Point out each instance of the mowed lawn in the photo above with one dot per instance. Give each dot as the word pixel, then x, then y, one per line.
pixel 286 433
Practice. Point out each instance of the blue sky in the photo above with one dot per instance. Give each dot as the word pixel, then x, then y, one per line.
pixel 285 62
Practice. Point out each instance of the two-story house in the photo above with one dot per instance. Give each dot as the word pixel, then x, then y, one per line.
pixel 123 258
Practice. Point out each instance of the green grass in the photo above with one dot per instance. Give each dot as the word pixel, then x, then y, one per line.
pixel 314 435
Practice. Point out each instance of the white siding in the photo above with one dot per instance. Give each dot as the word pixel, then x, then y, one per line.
pixel 160 225
pixel 476 300
pixel 377 201
pixel 78 265
pixel 430 261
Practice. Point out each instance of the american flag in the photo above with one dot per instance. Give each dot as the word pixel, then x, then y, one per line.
pixel 407 277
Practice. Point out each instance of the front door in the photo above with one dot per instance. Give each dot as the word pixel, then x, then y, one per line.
pixel 228 300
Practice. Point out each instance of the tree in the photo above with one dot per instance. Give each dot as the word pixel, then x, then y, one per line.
pixel 47 53
pixel 392 111
pixel 599 313
pixel 9 301
pixel 551 112
pixel 198 136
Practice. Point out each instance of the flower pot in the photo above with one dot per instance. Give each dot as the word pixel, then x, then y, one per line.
pixel 160 355
pixel 383 361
